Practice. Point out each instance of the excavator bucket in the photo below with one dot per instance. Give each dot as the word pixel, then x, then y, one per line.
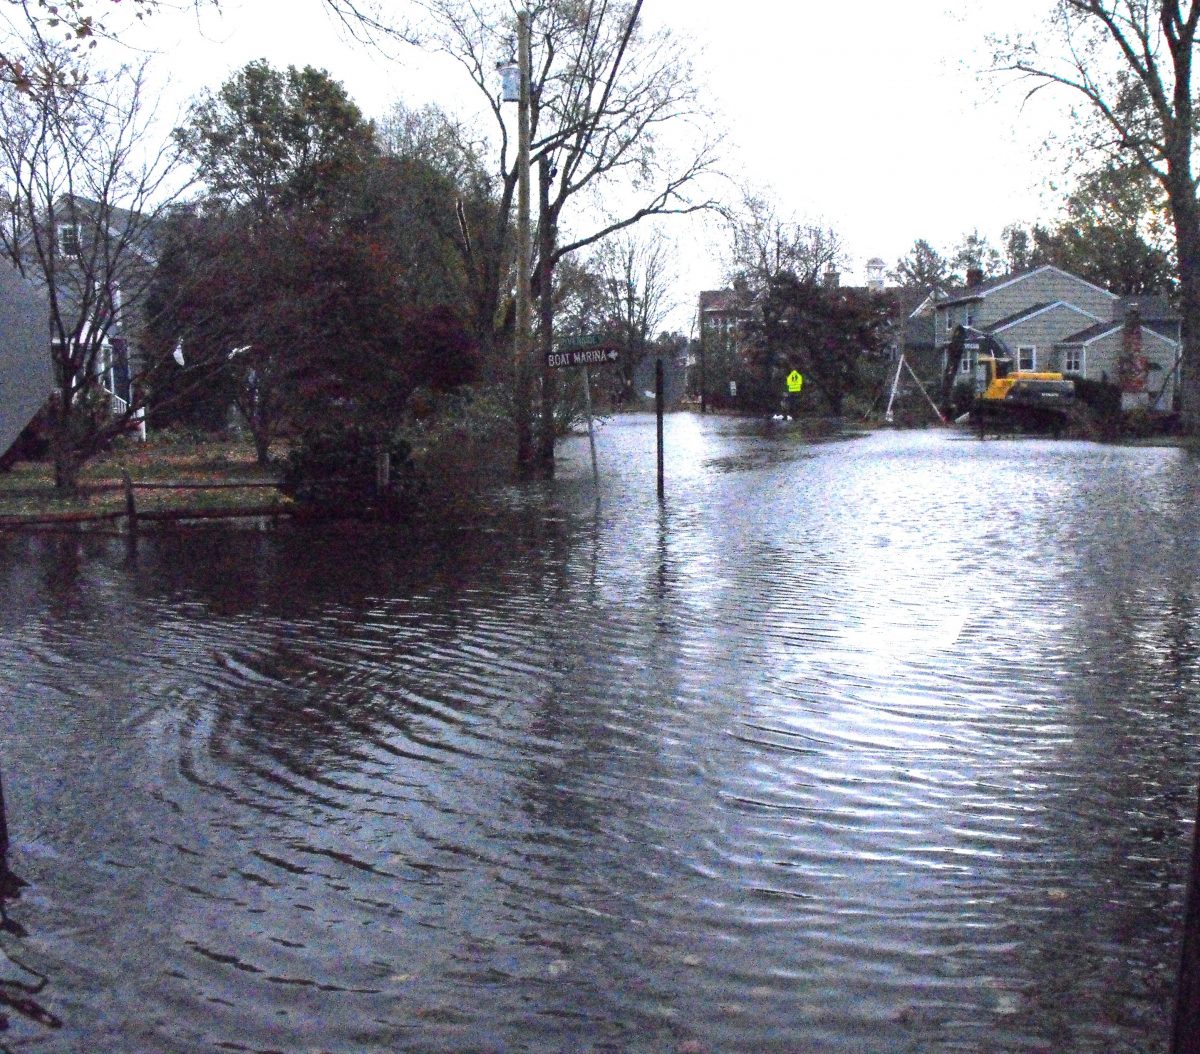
pixel 25 370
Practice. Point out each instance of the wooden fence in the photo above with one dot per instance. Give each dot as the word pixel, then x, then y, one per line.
pixel 133 516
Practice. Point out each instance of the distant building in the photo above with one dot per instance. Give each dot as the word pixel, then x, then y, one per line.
pixel 715 365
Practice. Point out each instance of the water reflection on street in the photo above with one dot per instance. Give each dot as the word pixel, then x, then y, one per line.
pixel 881 744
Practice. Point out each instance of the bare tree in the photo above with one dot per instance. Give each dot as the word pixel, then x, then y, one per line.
pixel 83 186
pixel 604 90
pixel 765 243
pixel 636 279
pixel 1130 63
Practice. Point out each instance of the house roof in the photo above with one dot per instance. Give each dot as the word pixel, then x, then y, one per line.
pixel 1030 312
pixel 1017 316
pixel 965 294
pixel 1104 329
pixel 918 331
pixel 720 300
pixel 1152 308
pixel 138 229
pixel 1086 336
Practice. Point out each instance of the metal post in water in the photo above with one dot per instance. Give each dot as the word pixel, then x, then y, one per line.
pixel 3 831
pixel 1185 1030
pixel 587 399
pixel 658 413
pixel 10 884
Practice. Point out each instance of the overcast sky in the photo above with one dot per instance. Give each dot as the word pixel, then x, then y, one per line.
pixel 876 119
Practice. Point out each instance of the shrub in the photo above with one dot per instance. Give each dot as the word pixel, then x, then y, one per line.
pixel 333 471
pixel 961 397
pixel 1101 402
pixel 1138 423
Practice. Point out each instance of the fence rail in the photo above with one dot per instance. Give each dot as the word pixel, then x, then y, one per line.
pixel 132 515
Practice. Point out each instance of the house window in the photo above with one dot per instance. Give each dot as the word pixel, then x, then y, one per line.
pixel 970 317
pixel 968 362
pixel 68 239
pixel 1073 360
pixel 1026 358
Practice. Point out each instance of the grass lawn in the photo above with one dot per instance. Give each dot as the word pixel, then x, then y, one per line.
pixel 27 492
pixel 457 467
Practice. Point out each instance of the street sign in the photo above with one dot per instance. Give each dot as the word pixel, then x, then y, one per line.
pixel 795 381
pixel 601 356
pixel 581 340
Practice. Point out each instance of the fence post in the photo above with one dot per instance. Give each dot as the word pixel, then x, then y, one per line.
pixel 130 504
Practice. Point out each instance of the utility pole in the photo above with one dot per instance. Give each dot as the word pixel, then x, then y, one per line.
pixel 3 833
pixel 546 239
pixel 521 365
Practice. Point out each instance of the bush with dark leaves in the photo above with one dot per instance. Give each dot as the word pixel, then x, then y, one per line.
pixel 335 471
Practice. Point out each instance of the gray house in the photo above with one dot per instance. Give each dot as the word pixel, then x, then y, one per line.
pixel 25 375
pixel 88 266
pixel 1052 320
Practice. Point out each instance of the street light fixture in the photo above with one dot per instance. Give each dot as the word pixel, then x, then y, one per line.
pixel 510 81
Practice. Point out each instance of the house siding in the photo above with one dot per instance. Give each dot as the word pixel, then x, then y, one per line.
pixel 25 376
pixel 1044 330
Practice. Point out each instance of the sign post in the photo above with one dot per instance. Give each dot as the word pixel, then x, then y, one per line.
pixel 587 401
pixel 590 349
pixel 658 416
pixel 795 385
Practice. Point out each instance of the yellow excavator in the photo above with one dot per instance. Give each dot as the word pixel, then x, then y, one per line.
pixel 1013 400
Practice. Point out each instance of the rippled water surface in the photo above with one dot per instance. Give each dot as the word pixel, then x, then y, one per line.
pixel 880 744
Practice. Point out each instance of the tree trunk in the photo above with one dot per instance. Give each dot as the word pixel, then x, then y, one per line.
pixel 1185 1035
pixel 1186 217
pixel 262 444
pixel 546 307
pixel 67 461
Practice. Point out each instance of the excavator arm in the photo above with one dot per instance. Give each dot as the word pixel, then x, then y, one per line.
pixel 954 356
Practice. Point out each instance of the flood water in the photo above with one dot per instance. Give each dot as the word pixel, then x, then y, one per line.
pixel 881 744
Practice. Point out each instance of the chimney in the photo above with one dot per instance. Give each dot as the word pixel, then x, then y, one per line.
pixel 1132 367
pixel 974 276
pixel 832 278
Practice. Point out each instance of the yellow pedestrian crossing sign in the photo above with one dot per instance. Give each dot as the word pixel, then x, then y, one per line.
pixel 795 381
